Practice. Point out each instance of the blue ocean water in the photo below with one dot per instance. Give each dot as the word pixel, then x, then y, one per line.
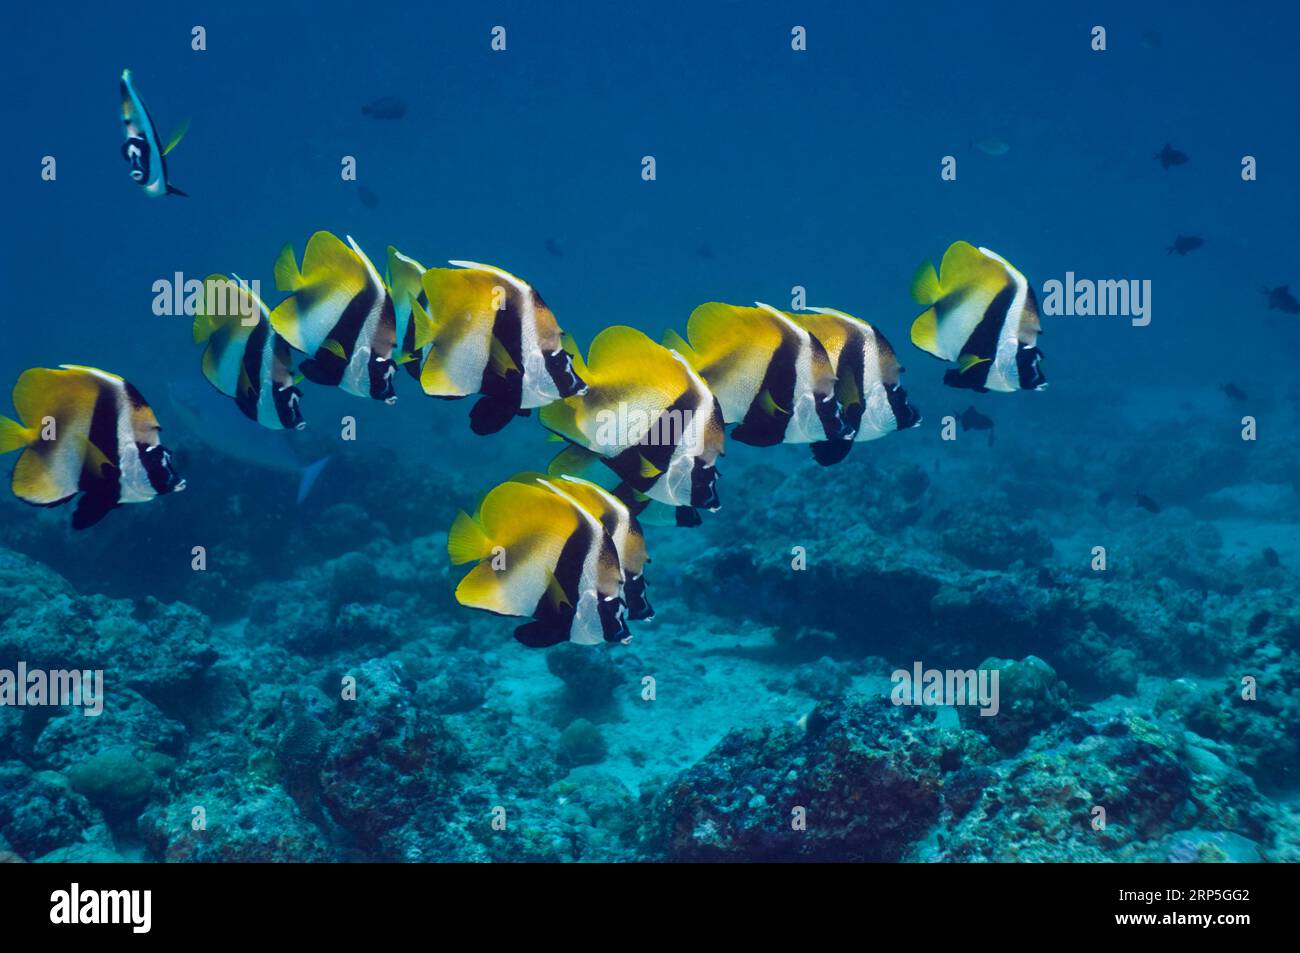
pixel 775 168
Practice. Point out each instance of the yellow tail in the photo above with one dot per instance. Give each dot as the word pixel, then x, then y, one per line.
pixel 14 436
pixel 466 541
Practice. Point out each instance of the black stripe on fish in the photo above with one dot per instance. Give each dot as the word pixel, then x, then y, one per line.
pixel 327 368
pixel 658 453
pixel 983 342
pixel 763 429
pixel 853 366
pixel 508 330
pixel 552 624
pixel 254 351
pixel 103 435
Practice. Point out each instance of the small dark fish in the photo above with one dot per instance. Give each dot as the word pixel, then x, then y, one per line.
pixel 1271 558
pixel 368 198
pixel 1104 498
pixel 1170 156
pixel 1258 622
pixel 1148 504
pixel 385 107
pixel 1233 391
pixel 972 419
pixel 553 248
pixel 705 252
pixel 1185 243
pixel 1281 299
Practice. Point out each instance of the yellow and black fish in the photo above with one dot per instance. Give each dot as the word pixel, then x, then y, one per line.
pixel 982 314
pixel 341 313
pixel 85 431
pixel 649 417
pixel 541 555
pixel 142 149
pixel 493 335
pixel 245 358
pixel 622 527
pixel 866 379
pixel 772 378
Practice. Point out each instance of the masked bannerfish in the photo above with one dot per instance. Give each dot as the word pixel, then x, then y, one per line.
pixel 772 378
pixel 543 555
pixel 649 417
pixel 410 310
pixel 866 378
pixel 245 358
pixel 85 431
pixel 142 149
pixel 341 313
pixel 619 523
pixel 495 336
pixel 983 315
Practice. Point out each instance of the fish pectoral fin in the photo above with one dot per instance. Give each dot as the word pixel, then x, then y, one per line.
pixel 572 460
pixel 177 135
pixel 499 358
pixel 767 403
pixel 555 593
pixel 967 361
pixel 334 347
pixel 648 470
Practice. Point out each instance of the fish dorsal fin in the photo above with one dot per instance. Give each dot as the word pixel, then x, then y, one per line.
pixel 717 330
pixel 964 265
pixel 493 270
pixel 622 353
pixel 177 135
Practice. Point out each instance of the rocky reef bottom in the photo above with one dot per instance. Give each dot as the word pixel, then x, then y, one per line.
pixel 1148 707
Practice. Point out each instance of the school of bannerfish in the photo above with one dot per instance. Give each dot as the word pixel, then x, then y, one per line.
pixel 559 548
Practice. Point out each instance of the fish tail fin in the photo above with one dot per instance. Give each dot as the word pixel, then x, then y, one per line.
pixel 925 284
pixel 308 475
pixel 675 342
pixel 287 275
pixel 466 540
pixel 573 460
pixel 14 436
